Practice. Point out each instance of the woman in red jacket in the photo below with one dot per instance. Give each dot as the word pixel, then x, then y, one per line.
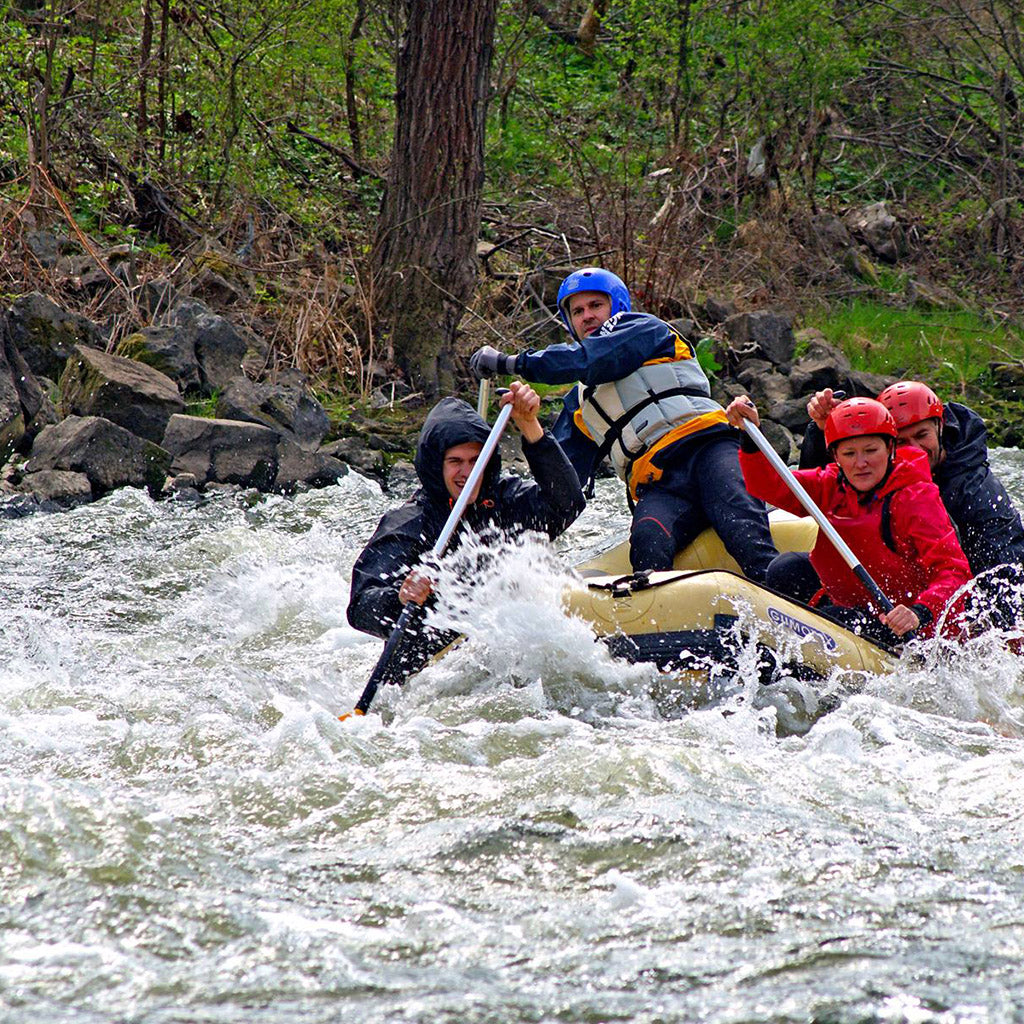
pixel 883 503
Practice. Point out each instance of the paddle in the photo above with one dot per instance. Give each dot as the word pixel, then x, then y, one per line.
pixel 754 433
pixel 412 612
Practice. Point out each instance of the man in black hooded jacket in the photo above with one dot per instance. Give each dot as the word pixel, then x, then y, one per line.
pixel 385 575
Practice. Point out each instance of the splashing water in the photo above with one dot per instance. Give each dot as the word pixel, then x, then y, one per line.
pixel 508 599
pixel 521 833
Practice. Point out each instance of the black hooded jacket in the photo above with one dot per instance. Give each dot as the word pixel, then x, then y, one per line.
pixel 507 504
pixel 989 525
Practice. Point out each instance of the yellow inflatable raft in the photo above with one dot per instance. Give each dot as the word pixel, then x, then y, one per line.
pixel 699 618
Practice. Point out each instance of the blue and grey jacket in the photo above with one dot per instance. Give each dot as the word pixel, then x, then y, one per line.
pixel 641 391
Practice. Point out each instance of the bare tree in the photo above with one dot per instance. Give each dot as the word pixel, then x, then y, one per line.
pixel 425 250
pixel 145 72
pixel 351 106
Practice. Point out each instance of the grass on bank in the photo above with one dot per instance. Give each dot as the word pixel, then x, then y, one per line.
pixel 950 349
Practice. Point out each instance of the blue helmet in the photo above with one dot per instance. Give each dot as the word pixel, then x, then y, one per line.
pixel 592 279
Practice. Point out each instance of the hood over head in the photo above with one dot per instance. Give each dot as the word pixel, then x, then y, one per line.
pixel 451 422
pixel 965 440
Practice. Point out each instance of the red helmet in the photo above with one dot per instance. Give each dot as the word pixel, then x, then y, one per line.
pixel 910 402
pixel 856 417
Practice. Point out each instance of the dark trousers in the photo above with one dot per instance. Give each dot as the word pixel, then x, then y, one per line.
pixel 792 574
pixel 702 487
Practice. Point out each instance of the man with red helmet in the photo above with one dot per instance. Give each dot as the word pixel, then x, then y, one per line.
pixel 882 502
pixel 953 438
pixel 917 412
pixel 643 401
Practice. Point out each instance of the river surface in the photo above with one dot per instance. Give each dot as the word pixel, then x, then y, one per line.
pixel 189 833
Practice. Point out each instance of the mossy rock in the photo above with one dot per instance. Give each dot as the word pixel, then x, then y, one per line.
pixel 134 347
pixel 169 349
pixel 1005 422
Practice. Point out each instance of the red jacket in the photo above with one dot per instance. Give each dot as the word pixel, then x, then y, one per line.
pixel 926 564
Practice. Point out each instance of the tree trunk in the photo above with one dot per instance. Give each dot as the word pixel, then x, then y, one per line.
pixel 425 250
pixel 682 89
pixel 351 107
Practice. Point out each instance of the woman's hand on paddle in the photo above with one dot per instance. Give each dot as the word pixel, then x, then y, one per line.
pixel 740 409
pixel 822 403
pixel 901 620
pixel 415 588
pixel 525 404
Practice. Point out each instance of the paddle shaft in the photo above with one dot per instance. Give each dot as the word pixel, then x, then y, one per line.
pixel 754 433
pixel 412 612
pixel 483 397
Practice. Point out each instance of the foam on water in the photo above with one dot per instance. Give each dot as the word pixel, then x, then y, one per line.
pixel 508 600
pixel 520 833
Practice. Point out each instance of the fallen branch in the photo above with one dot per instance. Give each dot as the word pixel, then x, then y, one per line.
pixel 73 224
pixel 358 171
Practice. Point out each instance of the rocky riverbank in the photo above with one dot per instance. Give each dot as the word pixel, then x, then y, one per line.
pixel 189 398
pixel 78 420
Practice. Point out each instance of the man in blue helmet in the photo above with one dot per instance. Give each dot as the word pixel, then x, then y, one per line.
pixel 644 402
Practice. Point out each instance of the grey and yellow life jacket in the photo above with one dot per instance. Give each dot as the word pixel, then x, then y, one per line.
pixel 633 418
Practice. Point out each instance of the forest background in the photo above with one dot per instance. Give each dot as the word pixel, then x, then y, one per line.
pixel 382 187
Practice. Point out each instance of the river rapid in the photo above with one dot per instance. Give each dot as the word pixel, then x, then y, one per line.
pixel 189 833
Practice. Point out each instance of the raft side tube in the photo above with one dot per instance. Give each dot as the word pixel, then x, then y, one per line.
pixel 678 614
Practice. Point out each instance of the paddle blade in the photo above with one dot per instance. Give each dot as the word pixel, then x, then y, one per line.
pixel 411 615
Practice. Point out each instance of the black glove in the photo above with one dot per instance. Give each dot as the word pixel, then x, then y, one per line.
pixel 488 362
pixel 923 612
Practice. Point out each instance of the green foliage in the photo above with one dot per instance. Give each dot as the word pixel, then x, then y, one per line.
pixel 92 203
pixel 667 78
pixel 891 279
pixel 202 405
pixel 742 69
pixel 234 78
pixel 248 107
pixel 729 219
pixel 15 47
pixel 706 357
pixel 680 83
pixel 562 114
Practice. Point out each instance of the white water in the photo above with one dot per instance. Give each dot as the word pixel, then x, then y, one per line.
pixel 189 834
